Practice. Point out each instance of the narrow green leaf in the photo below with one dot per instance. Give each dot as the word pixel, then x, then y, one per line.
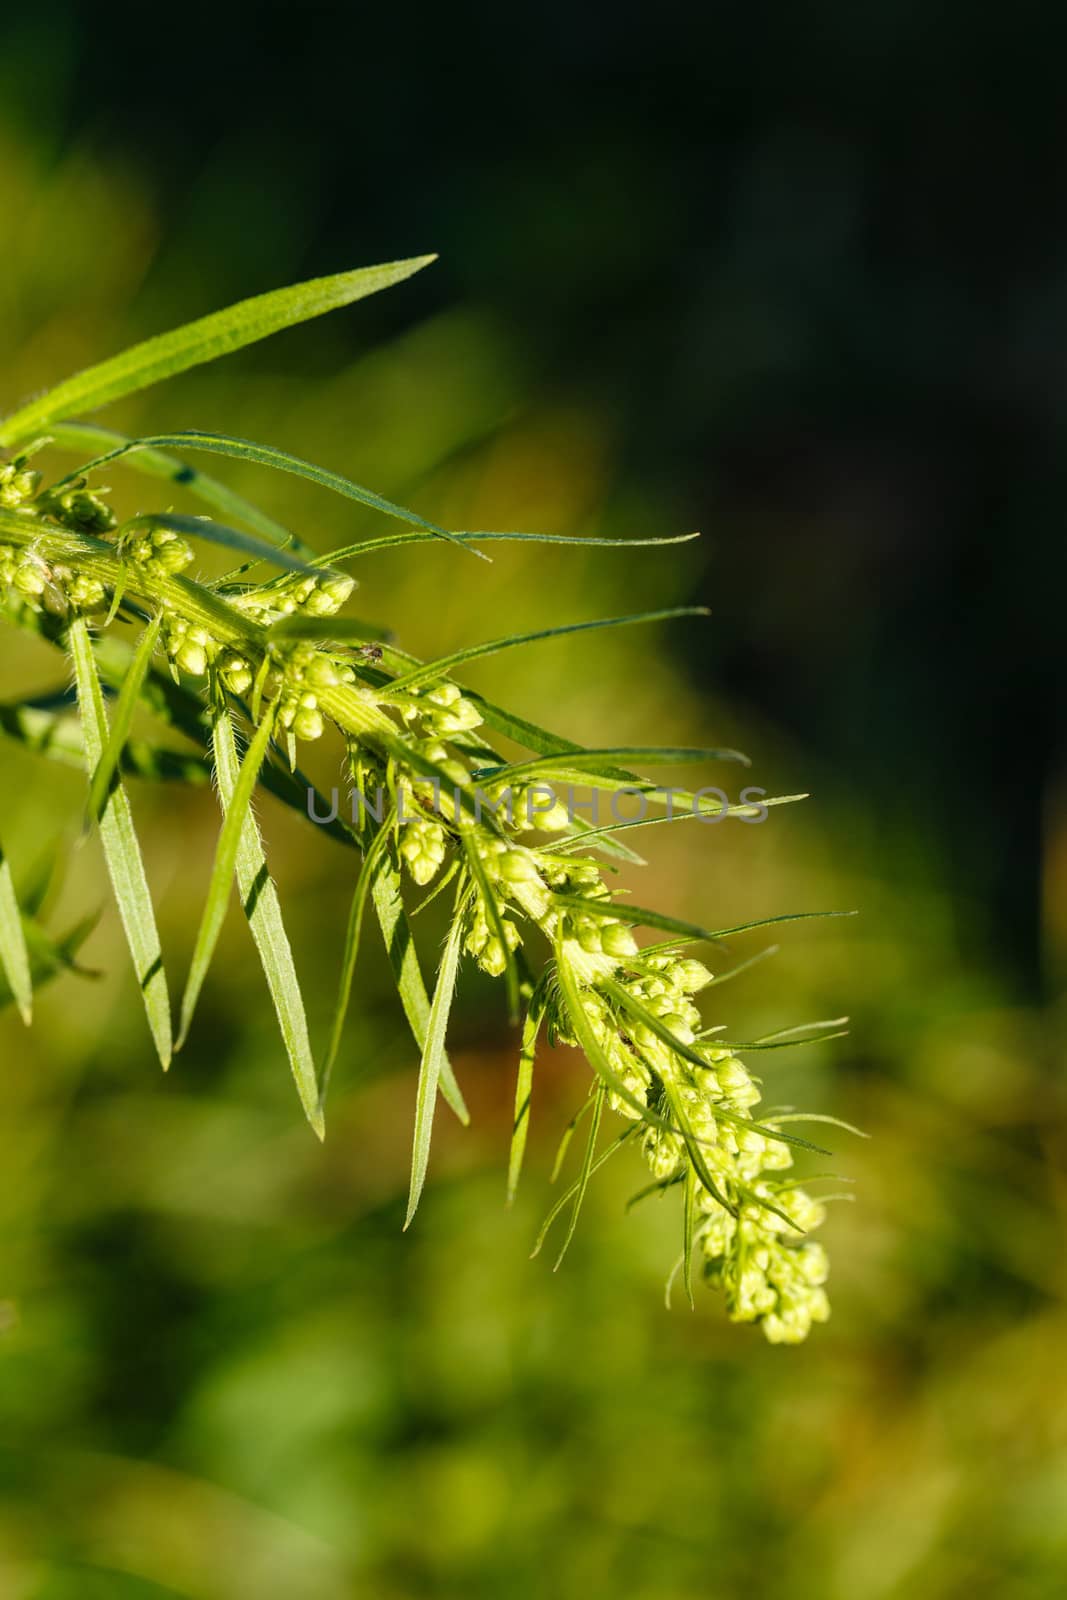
pixel 49 957
pixel 229 538
pixel 800 1030
pixel 84 436
pixel 281 461
pixel 584 1176
pixel 432 670
pixel 641 916
pixel 196 342
pixel 689 1223
pixel 389 541
pixel 770 922
pixel 568 1134
pixel 590 762
pixel 569 1194
pixel 329 630
pixel 430 1066
pixel 121 850
pixel 222 872
pixel 782 1044
pixel 368 870
pixel 404 960
pixel 259 897
pixel 660 1187
pixel 122 718
pixel 580 841
pixel 531 1028
pixel 693 1147
pixel 636 916
pixel 741 966
pixel 59 738
pixel 545 743
pixel 496 922
pixel 818 1116
pixel 14 956
pixel 668 1288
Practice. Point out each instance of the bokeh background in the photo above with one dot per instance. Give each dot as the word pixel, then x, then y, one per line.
pixel 795 276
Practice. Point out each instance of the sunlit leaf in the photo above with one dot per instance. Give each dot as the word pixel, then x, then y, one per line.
pixel 85 436
pixel 262 455
pixel 196 342
pixel 121 850
pixel 430 1065
pixel 229 538
pixel 368 871
pixel 584 1175
pixel 531 1028
pixel 432 670
pixel 568 1195
pixel 259 897
pixel 122 717
pixel 222 873
pixel 404 960
pixel 389 541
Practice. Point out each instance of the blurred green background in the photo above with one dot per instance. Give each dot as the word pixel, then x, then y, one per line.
pixel 795 277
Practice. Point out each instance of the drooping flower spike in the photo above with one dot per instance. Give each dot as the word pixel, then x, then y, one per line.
pixel 263 664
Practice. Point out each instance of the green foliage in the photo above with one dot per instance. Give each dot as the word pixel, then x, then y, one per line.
pixel 277 654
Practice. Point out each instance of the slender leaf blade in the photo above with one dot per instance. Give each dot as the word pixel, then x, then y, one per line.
pixel 583 1176
pixel 281 461
pixel 389 541
pixel 368 871
pixel 404 960
pixel 229 538
pixel 122 717
pixel 223 870
pixel 259 897
pixel 591 762
pixel 14 955
pixel 203 340
pixel 430 670
pixel 430 1066
pixel 568 1195
pixel 122 851
pixel 531 1028
pixel 85 436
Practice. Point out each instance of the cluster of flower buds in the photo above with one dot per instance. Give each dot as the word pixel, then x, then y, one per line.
pixel 295 676
pixel 310 594
pixel 767 1272
pixel 18 484
pixel 500 862
pixel 439 712
pixel 189 648
pixel 758 1252
pixel 76 506
pixel 422 848
pixel 48 586
pixel 157 550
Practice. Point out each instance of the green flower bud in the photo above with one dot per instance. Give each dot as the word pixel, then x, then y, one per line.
pixel 518 866
pixel 235 671
pixel 30 578
pixel 191 657
pixel 422 847
pixel 690 976
pixel 618 940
